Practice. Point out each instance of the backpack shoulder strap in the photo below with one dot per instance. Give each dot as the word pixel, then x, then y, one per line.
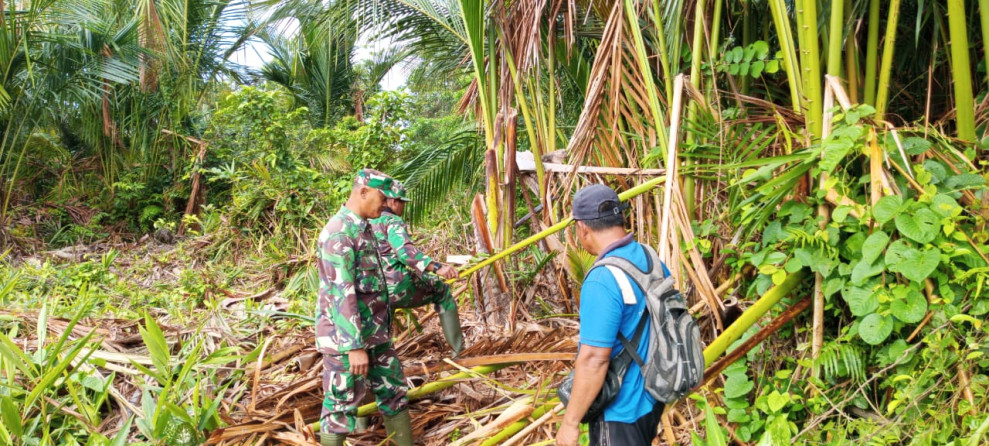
pixel 631 347
pixel 628 294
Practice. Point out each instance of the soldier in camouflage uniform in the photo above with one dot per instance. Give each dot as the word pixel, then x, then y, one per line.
pixel 353 319
pixel 407 269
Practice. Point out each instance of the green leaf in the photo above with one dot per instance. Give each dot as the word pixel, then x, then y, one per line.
pixel 922 226
pixel 964 181
pixel 908 305
pixel 777 400
pixel 874 328
pixel 966 318
pixel 737 385
pixel 835 151
pixel 887 208
pixel 915 264
pixel 772 66
pixel 833 285
pixel 121 438
pixel 945 206
pixel 736 54
pixel 861 301
pixel 715 437
pixel 755 70
pixel 915 145
pixel 761 49
pixel 154 338
pixel 11 416
pixel 864 270
pixel 874 246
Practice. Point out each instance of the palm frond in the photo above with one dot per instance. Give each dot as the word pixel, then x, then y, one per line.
pixel 431 175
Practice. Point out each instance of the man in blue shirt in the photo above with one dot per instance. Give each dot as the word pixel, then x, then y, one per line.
pixel 633 416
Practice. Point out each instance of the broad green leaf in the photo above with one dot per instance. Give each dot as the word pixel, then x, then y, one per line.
pixel 777 400
pixel 874 246
pixel 861 301
pixel 835 150
pixel 945 206
pixel 921 227
pixel 833 285
pixel 964 181
pixel 863 270
pixel 874 328
pixel 908 305
pixel 738 416
pixel 887 208
pixel 761 49
pixel 755 70
pixel 915 264
pixel 737 385
pixel 772 66
pixel 915 145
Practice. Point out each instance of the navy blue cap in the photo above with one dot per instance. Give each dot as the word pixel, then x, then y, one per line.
pixel 596 201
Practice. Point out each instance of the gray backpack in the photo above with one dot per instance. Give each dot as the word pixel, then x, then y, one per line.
pixel 675 362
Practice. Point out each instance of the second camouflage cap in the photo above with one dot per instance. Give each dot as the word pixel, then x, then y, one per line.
pixel 377 180
pixel 399 190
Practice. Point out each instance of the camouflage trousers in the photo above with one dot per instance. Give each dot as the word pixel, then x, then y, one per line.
pixel 343 391
pixel 414 291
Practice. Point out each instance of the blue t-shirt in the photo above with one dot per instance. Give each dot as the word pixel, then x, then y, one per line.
pixel 603 313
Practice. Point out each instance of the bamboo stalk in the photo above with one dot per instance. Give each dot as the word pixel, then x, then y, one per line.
pixel 695 80
pixel 790 64
pixel 811 65
pixel 718 366
pixel 431 387
pixel 871 53
pixel 535 424
pixel 984 19
pixel 751 316
pixel 961 72
pixel 851 57
pixel 515 427
pixel 642 58
pixel 664 55
pixel 834 38
pixel 624 196
pixel 886 70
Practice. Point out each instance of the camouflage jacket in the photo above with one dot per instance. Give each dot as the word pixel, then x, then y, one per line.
pixel 399 255
pixel 352 302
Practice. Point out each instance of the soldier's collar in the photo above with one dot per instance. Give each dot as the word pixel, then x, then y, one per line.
pixel 353 216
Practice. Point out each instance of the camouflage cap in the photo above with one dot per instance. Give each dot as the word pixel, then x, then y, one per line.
pixel 377 180
pixel 399 190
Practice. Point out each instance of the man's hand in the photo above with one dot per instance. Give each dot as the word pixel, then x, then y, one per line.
pixel 358 362
pixel 568 434
pixel 447 272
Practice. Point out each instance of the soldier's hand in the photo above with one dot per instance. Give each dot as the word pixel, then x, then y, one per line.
pixel 358 362
pixel 447 272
